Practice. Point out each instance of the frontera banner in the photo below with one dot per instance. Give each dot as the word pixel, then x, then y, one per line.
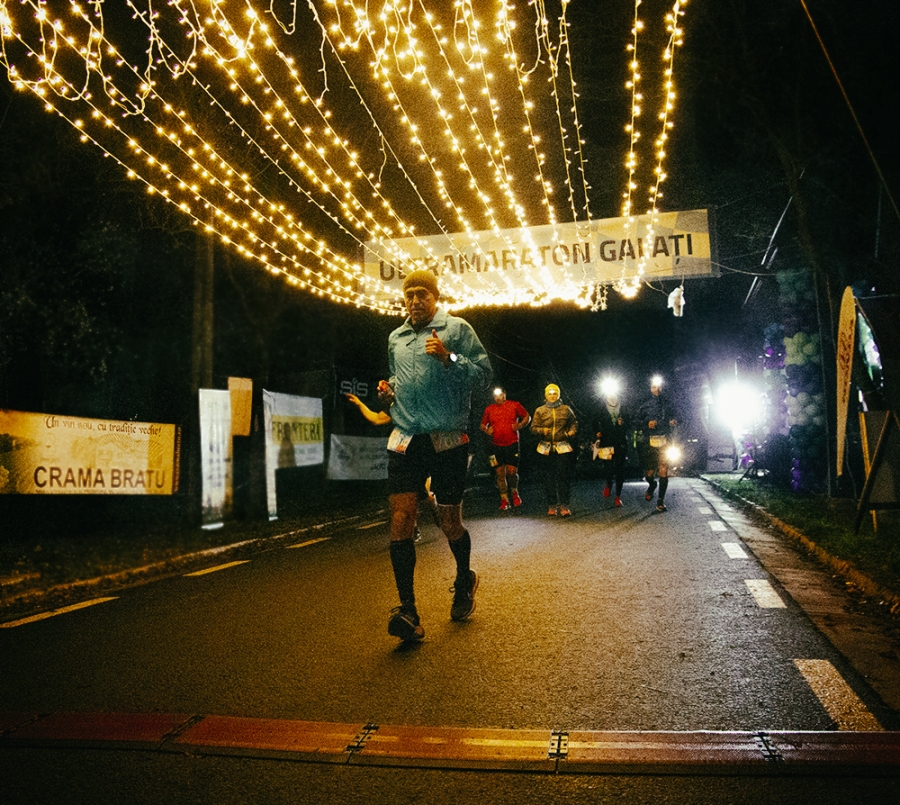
pixel 52 454
pixel 673 245
pixel 294 436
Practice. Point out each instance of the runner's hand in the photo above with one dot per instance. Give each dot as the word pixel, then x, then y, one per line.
pixel 435 347
pixel 385 392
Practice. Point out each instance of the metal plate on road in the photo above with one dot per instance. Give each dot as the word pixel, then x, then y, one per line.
pixel 586 752
pixel 323 741
pixel 451 747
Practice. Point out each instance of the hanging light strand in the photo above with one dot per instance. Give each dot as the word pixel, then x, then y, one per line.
pixel 214 115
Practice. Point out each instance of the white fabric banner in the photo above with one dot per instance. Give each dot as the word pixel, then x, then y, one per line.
pixel 674 246
pixel 215 459
pixel 357 458
pixel 294 436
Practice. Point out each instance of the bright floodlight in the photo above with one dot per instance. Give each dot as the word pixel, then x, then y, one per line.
pixel 609 387
pixel 739 406
pixel 673 453
pixel 656 380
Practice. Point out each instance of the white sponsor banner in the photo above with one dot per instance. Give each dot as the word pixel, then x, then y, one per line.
pixel 56 454
pixel 294 436
pixel 357 458
pixel 215 458
pixel 675 245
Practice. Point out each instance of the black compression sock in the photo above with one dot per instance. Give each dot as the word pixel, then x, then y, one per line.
pixel 663 486
pixel 462 549
pixel 403 560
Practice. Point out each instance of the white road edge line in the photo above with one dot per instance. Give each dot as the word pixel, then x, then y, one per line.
pixel 704 510
pixel 54 612
pixel 765 594
pixel 734 550
pixel 717 525
pixel 217 568
pixel 837 697
pixel 309 542
pixel 371 525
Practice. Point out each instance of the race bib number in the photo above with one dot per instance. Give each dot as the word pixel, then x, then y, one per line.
pixel 398 441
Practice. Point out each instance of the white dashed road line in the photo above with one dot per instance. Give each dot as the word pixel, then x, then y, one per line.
pixel 61 611
pixel 765 594
pixel 704 510
pixel 371 525
pixel 837 697
pixel 734 550
pixel 309 542
pixel 217 568
pixel 717 525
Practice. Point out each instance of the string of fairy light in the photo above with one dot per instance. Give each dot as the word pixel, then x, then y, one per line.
pixel 633 271
pixel 665 114
pixel 411 119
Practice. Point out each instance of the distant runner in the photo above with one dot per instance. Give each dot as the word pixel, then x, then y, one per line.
pixel 657 420
pixel 502 421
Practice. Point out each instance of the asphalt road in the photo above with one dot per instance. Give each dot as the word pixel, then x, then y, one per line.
pixel 613 619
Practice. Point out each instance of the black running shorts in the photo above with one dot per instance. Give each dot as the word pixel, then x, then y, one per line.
pixel 407 472
pixel 505 455
pixel 655 459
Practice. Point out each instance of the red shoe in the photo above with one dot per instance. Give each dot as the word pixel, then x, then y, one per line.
pixel 606 492
pixel 564 512
pixel 552 511
pixel 618 502
pixel 504 505
pixel 517 501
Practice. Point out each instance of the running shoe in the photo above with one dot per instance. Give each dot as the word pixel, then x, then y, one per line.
pixel 464 597
pixel 650 490
pixel 504 505
pixel 606 492
pixel 517 501
pixel 552 511
pixel 661 507
pixel 618 502
pixel 564 512
pixel 404 623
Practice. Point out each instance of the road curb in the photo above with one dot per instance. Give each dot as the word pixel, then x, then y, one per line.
pixel 887 598
pixel 42 598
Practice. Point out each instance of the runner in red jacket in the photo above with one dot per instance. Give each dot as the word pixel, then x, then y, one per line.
pixel 502 421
